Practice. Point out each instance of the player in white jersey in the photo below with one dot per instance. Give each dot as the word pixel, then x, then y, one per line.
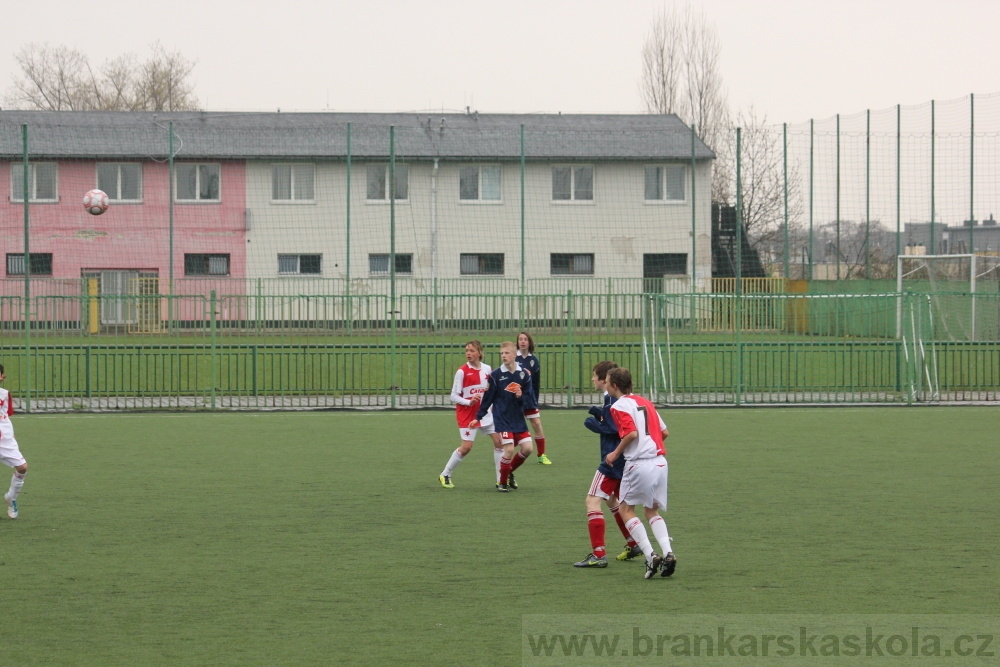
pixel 644 481
pixel 10 454
pixel 471 381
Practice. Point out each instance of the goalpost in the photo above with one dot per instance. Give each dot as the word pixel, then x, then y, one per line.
pixel 952 282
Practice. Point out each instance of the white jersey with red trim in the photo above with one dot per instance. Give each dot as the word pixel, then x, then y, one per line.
pixel 6 411
pixel 468 382
pixel 635 413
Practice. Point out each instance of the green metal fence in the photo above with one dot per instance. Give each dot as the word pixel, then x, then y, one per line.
pixel 240 353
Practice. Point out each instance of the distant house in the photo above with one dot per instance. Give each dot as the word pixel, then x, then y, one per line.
pixel 275 196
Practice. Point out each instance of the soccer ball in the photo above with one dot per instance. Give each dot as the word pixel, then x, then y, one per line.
pixel 96 202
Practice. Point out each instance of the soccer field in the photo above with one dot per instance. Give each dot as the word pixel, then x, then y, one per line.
pixel 325 538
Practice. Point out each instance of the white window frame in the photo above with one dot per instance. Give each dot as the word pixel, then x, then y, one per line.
pixel 116 195
pixel 17 194
pixel 663 169
pixel 210 256
pixel 16 259
pixel 197 183
pixel 479 263
pixel 573 198
pixel 478 199
pixel 573 256
pixel 385 198
pixel 293 179
pixel 380 255
pixel 298 263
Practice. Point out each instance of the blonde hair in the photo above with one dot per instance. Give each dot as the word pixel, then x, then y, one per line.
pixel 508 344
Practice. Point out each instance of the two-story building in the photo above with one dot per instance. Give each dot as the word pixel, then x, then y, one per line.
pixel 301 203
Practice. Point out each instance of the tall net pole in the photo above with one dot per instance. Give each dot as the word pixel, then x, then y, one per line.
pixel 27 269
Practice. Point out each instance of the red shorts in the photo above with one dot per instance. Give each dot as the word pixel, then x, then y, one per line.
pixel 604 486
pixel 508 436
pixel 532 413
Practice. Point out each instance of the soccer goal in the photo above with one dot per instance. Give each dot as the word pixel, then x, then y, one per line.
pixel 954 284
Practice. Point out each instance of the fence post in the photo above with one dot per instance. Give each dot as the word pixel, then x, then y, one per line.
pixel 933 161
pixel 170 224
pixel 349 309
pixel 837 247
pixel 253 370
pixel 739 268
pixel 812 151
pixel 972 172
pixel 521 309
pixel 87 365
pixel 212 303
pixel 569 348
pixel 868 194
pixel 392 264
pixel 27 269
pixel 784 179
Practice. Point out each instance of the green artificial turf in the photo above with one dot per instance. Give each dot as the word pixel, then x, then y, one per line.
pixel 325 538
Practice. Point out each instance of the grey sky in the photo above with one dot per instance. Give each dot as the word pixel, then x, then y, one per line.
pixel 793 60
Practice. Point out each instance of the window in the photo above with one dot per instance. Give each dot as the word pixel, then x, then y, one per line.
pixel 122 181
pixel 206 265
pixel 41 264
pixel 665 183
pixel 564 263
pixel 490 264
pixel 378 179
pixel 300 264
pixel 479 183
pixel 657 265
pixel 572 183
pixel 293 182
pixel 41 181
pixel 197 182
pixel 378 265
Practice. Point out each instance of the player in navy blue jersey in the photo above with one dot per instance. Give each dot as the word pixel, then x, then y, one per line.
pixel 510 396
pixel 526 357
pixel 607 479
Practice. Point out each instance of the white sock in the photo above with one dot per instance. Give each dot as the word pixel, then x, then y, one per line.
pixel 456 458
pixel 497 455
pixel 659 528
pixel 16 482
pixel 638 533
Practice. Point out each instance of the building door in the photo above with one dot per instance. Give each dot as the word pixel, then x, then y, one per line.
pixel 116 307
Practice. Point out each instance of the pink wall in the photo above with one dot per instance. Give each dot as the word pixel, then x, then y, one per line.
pixel 127 236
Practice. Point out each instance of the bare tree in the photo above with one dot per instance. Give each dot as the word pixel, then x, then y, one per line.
pixel 680 75
pixel 52 78
pixel 663 64
pixel 762 177
pixel 865 250
pixel 57 78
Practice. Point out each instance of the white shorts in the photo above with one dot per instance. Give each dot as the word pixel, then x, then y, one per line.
pixel 645 483
pixel 604 487
pixel 486 426
pixel 10 455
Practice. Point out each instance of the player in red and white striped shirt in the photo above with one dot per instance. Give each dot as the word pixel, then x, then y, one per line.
pixel 645 479
pixel 10 454
pixel 471 381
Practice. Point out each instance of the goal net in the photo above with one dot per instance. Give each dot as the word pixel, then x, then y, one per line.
pixel 963 293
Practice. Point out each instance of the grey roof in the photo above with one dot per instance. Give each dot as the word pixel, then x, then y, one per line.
pixel 221 135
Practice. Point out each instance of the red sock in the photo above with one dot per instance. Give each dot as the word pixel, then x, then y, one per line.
pixel 518 460
pixel 540 446
pixel 505 470
pixel 621 526
pixel 595 523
